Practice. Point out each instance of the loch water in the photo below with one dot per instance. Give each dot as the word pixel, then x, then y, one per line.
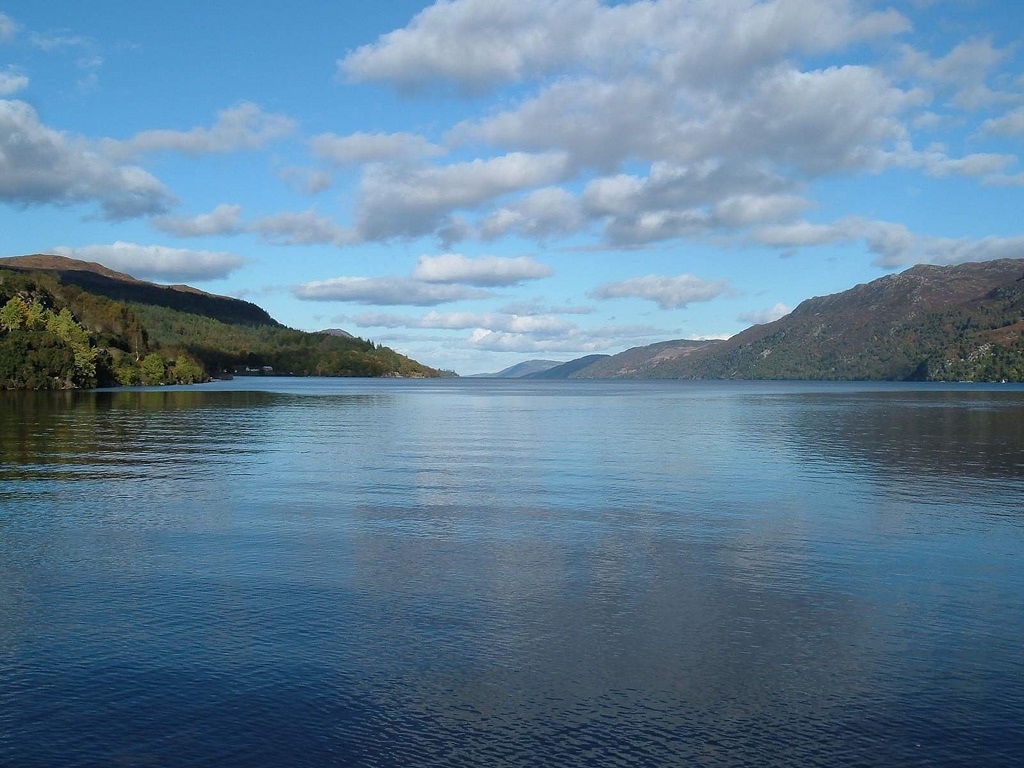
pixel 309 572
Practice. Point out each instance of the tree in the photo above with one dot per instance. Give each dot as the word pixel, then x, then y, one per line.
pixel 12 316
pixel 153 369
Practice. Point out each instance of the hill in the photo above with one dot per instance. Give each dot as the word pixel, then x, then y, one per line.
pixel 519 370
pixel 66 323
pixel 952 323
pixel 566 370
pixel 101 281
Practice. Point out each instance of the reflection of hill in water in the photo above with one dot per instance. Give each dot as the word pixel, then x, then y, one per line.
pixel 126 431
pixel 944 433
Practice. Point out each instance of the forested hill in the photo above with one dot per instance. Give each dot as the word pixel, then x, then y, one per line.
pixel 69 324
pixel 929 323
pixel 99 280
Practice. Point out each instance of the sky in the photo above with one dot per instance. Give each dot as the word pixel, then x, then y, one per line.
pixel 475 183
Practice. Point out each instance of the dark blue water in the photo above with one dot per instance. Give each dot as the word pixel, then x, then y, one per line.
pixel 273 572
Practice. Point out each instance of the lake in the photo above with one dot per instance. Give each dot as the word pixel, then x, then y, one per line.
pixel 310 572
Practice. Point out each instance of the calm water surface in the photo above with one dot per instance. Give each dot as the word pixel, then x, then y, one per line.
pixel 275 572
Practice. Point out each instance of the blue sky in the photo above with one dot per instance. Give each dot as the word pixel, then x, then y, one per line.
pixel 480 182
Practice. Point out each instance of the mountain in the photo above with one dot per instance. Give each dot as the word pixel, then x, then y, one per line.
pixel 519 370
pixel 66 323
pixel 337 332
pixel 642 362
pixel 963 322
pixel 101 281
pixel 566 370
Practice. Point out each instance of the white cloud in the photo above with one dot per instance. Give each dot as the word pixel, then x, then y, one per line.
pixel 537 307
pixel 477 44
pixel 894 245
pixel 222 220
pixel 1010 124
pixel 40 165
pixel 669 292
pixel 308 181
pixel 396 202
pixel 744 210
pixel 543 213
pixel 12 81
pixel 768 315
pixel 242 127
pixel 484 271
pixel 799 234
pixel 56 41
pixel 158 262
pixel 535 325
pixel 385 291
pixel 301 228
pixel 964 70
pixel 358 148
pixel 8 28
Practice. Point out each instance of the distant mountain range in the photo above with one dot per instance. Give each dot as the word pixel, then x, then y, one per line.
pixel 929 323
pixel 66 323
pixel 519 370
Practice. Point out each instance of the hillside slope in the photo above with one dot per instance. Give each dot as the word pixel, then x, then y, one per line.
pixel 961 322
pixel 71 324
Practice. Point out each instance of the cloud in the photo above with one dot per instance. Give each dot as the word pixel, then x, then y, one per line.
pixel 667 292
pixel 536 307
pixel 301 228
pixel 242 127
pixel 359 148
pixel 8 28
pixel 40 165
pixel 768 315
pixel 222 220
pixel 308 181
pixel 409 202
pixel 543 213
pixel 744 210
pixel 55 41
pixel 1010 124
pixel 964 71
pixel 475 43
pixel 894 245
pixel 284 228
pixel 12 81
pixel 479 44
pixel 158 262
pixel 385 291
pixel 484 271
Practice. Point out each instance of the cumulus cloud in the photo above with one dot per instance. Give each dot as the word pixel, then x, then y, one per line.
pixel 767 315
pixel 359 148
pixel 894 245
pixel 222 220
pixel 543 213
pixel 385 291
pixel 40 165
pixel 158 262
pixel 476 44
pixel 409 202
pixel 668 292
pixel 301 228
pixel 308 181
pixel 483 271
pixel 12 81
pixel 1010 124
pixel 242 127
pixel 965 71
